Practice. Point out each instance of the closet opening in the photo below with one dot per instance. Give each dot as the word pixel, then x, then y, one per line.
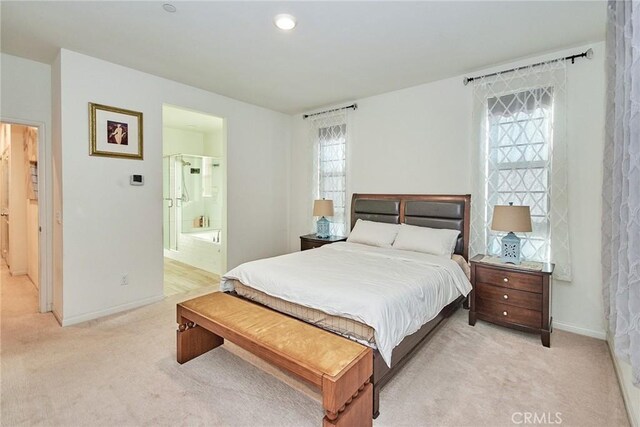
pixel 20 226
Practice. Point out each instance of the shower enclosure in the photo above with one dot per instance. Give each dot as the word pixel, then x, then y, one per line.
pixel 192 192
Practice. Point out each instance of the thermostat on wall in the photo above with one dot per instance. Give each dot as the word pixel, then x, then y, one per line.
pixel 136 180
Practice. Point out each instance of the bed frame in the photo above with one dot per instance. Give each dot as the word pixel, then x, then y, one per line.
pixel 434 211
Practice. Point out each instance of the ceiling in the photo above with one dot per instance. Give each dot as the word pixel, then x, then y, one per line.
pixel 179 118
pixel 340 51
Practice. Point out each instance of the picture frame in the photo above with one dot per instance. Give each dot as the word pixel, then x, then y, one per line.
pixel 115 132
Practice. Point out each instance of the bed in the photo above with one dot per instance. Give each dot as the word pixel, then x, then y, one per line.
pixel 339 287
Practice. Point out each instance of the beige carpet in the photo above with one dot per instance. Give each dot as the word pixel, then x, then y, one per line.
pixel 121 371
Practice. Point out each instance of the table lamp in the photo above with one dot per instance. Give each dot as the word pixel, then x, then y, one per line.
pixel 511 219
pixel 323 208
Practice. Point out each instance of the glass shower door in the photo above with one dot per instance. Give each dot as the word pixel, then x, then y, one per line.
pixel 169 224
pixel 191 203
pixel 200 206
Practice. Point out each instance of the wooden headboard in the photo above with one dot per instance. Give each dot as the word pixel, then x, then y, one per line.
pixel 425 210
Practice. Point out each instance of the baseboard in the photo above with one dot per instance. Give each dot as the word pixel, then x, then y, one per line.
pixel 601 335
pixel 113 310
pixel 18 273
pixel 37 285
pixel 56 315
pixel 625 395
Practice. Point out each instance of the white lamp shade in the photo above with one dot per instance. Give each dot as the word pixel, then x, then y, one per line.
pixel 323 208
pixel 511 218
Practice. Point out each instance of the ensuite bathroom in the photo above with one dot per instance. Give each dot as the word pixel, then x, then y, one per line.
pixel 193 193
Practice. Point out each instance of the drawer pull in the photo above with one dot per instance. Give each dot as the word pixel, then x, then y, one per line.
pixel 505 280
pixel 505 296
pixel 504 313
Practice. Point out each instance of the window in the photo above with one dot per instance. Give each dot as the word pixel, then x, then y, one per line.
pixel 331 172
pixel 520 120
pixel 519 142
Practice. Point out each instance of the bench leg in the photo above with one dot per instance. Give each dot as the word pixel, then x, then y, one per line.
pixel 355 413
pixel 193 340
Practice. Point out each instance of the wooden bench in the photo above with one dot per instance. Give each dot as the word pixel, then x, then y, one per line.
pixel 340 368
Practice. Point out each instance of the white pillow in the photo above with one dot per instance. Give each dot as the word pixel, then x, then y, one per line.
pixel 374 233
pixel 436 241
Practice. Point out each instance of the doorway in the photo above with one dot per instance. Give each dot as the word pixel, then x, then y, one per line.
pixel 20 245
pixel 194 200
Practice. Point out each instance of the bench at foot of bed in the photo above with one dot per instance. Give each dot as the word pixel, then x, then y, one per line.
pixel 341 369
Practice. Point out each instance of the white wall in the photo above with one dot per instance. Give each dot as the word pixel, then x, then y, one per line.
pixel 25 90
pixel 418 140
pixel 578 306
pixel 213 143
pixel 181 141
pixel 111 228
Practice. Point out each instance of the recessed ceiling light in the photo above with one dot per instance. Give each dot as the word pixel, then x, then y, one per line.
pixel 285 22
pixel 169 7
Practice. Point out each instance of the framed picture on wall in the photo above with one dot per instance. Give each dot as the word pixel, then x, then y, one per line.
pixel 115 132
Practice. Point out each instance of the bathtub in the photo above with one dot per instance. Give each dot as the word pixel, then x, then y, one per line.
pixel 200 248
pixel 212 236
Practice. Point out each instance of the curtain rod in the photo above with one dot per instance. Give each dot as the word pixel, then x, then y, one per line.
pixel 354 106
pixel 587 54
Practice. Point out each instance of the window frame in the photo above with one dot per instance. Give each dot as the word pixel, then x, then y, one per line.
pixel 327 136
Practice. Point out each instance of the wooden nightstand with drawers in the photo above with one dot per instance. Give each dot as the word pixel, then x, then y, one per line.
pixel 310 241
pixel 510 296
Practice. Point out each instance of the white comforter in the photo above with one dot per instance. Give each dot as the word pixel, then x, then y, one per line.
pixel 394 292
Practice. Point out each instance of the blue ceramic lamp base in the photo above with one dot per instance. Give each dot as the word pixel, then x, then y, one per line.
pixel 324 228
pixel 511 249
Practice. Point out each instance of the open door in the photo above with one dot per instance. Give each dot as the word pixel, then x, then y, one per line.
pixel 4 205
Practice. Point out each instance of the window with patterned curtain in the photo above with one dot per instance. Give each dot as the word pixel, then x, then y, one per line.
pixel 520 156
pixel 329 133
pixel 518 169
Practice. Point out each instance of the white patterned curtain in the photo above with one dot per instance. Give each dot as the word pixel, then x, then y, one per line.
pixel 521 156
pixel 328 133
pixel 621 183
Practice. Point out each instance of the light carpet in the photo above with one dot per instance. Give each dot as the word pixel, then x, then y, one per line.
pixel 121 371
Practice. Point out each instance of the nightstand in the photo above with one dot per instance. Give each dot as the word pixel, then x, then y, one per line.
pixel 514 297
pixel 311 241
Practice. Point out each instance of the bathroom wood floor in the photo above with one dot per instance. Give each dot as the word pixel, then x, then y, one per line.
pixel 180 278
